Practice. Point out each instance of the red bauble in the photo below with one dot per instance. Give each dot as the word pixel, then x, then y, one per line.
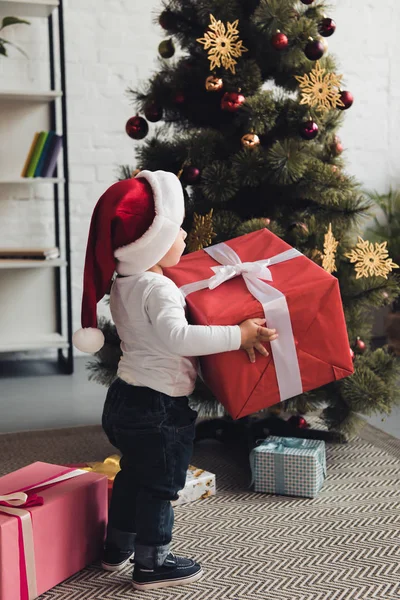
pixel 298 421
pixel 188 63
pixel 190 175
pixel 153 113
pixel 360 345
pixel 352 354
pixel 314 50
pixel 307 1
pixel 327 27
pixel 232 101
pixel 347 99
pixel 167 19
pixel 137 128
pixel 179 98
pixel 279 41
pixel 308 130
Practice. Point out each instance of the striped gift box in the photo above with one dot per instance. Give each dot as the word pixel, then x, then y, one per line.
pixel 289 466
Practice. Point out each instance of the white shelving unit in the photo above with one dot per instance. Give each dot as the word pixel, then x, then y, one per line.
pixel 29 8
pixel 44 342
pixel 29 96
pixel 32 264
pixel 28 181
pixel 35 295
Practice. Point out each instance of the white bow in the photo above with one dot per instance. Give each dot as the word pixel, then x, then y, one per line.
pixel 273 301
pixel 15 499
pixel 255 269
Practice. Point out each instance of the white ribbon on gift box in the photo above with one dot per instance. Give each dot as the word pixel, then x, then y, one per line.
pixel 276 311
pixel 19 499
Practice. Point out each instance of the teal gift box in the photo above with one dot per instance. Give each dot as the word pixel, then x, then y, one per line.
pixel 288 466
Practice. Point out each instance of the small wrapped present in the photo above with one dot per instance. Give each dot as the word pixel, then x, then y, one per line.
pixel 200 484
pixel 109 467
pixel 52 524
pixel 288 466
pixel 259 275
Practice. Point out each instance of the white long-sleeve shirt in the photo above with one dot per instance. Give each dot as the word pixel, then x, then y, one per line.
pixel 159 347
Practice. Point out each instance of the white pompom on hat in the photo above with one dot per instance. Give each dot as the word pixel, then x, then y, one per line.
pixel 134 224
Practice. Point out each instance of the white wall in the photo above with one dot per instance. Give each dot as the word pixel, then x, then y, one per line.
pixel 112 45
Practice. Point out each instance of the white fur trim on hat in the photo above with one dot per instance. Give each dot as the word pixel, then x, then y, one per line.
pixel 149 249
pixel 88 340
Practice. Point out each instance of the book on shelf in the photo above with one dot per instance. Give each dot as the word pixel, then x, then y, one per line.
pixel 44 154
pixel 30 153
pixel 36 153
pixel 50 162
pixel 29 253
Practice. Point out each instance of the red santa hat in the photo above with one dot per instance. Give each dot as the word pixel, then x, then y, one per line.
pixel 133 226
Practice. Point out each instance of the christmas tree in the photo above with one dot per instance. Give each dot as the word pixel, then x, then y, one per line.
pixel 248 116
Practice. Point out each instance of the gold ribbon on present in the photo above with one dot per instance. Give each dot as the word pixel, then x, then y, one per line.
pixel 109 467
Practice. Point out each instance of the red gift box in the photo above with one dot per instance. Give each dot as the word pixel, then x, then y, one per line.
pixel 296 296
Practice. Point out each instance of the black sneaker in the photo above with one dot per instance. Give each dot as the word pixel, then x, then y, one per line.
pixel 175 571
pixel 115 559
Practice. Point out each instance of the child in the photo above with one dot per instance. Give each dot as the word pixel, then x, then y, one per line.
pixel 136 231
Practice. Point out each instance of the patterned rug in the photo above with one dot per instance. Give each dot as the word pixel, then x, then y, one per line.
pixel 342 545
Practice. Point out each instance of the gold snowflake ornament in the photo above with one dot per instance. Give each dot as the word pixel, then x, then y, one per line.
pixel 330 247
pixel 320 90
pixel 371 259
pixel 223 44
pixel 202 232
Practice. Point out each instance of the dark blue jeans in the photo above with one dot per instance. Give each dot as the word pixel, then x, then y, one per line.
pixel 154 433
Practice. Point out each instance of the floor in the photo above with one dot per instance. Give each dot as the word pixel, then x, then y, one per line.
pixel 341 545
pixel 48 401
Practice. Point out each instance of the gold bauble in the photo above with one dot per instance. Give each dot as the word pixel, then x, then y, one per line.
pixel 250 140
pixel 166 49
pixel 214 84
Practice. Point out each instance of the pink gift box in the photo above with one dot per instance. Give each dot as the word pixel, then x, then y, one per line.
pixel 68 528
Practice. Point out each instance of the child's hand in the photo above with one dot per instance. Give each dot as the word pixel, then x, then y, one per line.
pixel 253 334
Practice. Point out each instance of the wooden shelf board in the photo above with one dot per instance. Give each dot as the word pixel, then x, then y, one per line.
pixel 30 95
pixel 28 8
pixel 31 264
pixel 53 340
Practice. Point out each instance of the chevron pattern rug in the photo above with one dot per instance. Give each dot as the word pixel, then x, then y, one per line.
pixel 342 545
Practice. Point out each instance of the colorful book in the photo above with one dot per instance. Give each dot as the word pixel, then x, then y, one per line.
pixel 52 156
pixel 30 153
pixel 36 153
pixel 43 156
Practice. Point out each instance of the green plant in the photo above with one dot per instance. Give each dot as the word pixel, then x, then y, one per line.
pixel 386 227
pixel 7 21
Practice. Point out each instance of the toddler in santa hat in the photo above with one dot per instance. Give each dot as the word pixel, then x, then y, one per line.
pixel 135 231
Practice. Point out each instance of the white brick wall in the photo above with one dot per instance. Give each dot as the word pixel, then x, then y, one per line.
pixel 112 45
